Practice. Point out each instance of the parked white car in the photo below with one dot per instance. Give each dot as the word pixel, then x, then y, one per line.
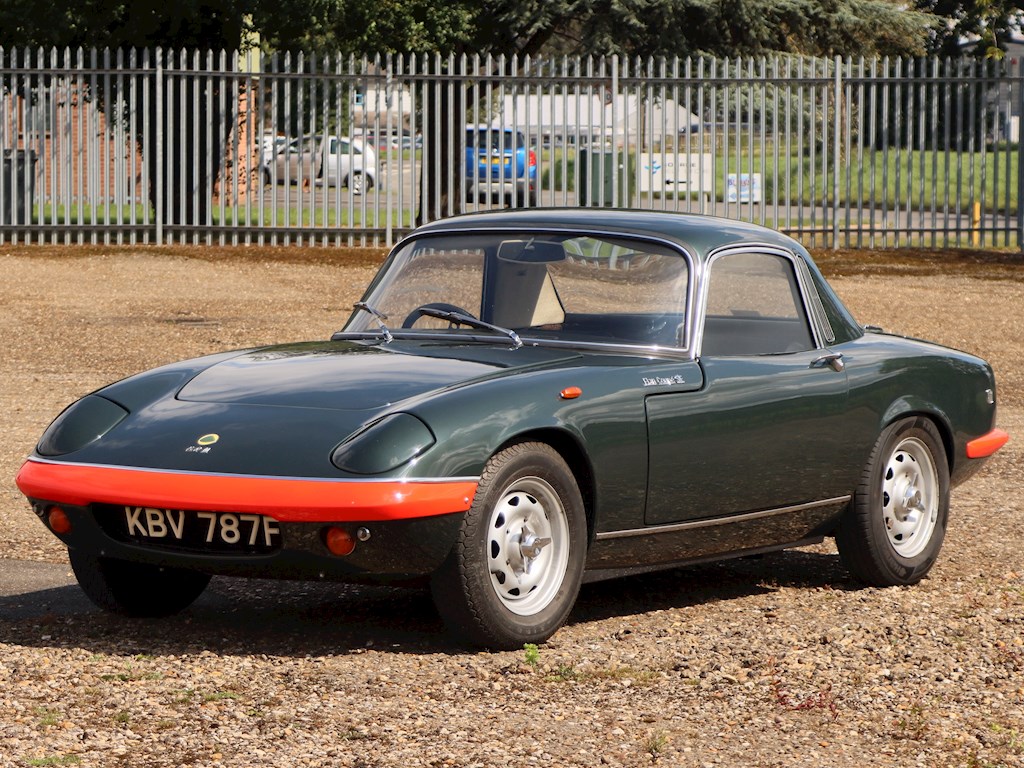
pixel 334 160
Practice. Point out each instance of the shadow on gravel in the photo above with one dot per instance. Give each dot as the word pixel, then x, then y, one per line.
pixel 245 616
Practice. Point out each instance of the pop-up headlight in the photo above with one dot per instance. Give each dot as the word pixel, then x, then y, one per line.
pixel 383 446
pixel 80 424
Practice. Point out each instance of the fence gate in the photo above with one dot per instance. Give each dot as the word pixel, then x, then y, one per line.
pixel 155 146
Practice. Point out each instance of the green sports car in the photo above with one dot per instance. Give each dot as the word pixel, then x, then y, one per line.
pixel 523 401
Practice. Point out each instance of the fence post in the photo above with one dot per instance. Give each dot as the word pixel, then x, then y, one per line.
pixel 836 148
pixel 1020 157
pixel 159 148
pixel 615 154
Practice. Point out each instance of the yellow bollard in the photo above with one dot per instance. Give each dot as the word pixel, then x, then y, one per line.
pixel 976 225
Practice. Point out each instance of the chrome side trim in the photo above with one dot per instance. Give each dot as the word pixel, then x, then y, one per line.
pixel 649 350
pixel 154 470
pixel 727 520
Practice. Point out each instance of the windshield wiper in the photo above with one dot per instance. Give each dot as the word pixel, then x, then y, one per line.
pixel 379 316
pixel 461 319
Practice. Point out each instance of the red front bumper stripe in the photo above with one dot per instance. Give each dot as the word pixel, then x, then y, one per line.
pixel 986 445
pixel 284 499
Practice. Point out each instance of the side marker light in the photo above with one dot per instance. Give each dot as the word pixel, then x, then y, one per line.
pixel 570 393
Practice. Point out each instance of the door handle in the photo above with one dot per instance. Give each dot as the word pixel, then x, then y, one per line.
pixel 833 360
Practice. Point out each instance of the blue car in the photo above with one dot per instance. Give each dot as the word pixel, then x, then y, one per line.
pixel 500 167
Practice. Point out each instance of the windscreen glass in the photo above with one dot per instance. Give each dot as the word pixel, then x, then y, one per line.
pixel 562 287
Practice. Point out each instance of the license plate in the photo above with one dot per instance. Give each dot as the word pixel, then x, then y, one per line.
pixel 200 531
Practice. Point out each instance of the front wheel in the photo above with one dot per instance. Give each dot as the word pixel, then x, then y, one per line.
pixel 893 529
pixel 515 570
pixel 136 589
pixel 359 183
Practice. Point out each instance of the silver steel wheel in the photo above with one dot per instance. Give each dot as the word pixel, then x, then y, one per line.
pixel 527 546
pixel 910 497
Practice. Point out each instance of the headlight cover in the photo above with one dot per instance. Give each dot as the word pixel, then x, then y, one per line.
pixel 81 423
pixel 384 445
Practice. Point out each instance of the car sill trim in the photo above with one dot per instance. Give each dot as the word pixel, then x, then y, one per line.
pixel 690 525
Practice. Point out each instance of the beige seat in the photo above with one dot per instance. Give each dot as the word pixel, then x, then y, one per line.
pixel 525 293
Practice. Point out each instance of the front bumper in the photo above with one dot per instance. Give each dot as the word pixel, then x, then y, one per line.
pixel 408 528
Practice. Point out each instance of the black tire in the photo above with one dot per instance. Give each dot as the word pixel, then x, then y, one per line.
pixel 526 491
pixel 892 531
pixel 136 589
pixel 522 199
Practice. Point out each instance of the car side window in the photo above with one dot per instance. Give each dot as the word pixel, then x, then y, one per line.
pixel 754 307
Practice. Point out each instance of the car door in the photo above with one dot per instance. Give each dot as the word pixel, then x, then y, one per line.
pixel 297 162
pixel 767 429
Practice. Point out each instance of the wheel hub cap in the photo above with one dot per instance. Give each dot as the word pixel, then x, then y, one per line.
pixel 910 497
pixel 527 546
pixel 530 547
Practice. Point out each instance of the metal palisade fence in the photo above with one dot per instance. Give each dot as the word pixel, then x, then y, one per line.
pixel 153 146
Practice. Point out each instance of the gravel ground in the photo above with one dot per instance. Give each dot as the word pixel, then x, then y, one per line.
pixel 778 661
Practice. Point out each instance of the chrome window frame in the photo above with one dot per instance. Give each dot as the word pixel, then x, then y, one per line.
pixel 689 313
pixel 800 273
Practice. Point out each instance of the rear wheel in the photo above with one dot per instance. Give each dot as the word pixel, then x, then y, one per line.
pixel 893 530
pixel 515 570
pixel 136 589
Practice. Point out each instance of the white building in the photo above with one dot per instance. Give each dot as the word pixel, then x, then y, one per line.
pixel 579 118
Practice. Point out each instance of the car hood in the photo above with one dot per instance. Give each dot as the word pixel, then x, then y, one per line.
pixel 350 376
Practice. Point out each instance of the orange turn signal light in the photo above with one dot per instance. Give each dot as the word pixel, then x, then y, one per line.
pixel 58 521
pixel 340 542
pixel 570 393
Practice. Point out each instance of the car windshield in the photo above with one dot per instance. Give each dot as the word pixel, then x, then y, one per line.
pixel 499 140
pixel 552 287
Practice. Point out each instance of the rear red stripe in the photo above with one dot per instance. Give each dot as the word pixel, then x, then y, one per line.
pixel 285 499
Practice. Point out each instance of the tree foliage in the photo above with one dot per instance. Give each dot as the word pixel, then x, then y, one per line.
pixel 987 23
pixel 101 23
pixel 624 27
pixel 536 27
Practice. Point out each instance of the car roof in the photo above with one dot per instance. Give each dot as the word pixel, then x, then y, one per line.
pixel 696 233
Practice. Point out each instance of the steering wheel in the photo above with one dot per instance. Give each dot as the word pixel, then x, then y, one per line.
pixel 417 313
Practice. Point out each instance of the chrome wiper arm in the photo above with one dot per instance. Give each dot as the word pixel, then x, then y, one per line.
pixel 461 319
pixel 379 316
